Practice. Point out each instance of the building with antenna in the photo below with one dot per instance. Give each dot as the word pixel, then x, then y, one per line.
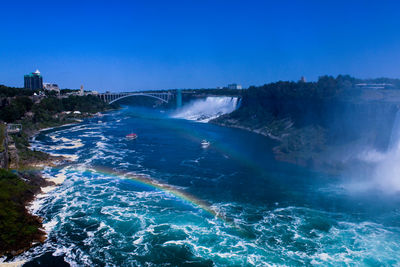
pixel 33 80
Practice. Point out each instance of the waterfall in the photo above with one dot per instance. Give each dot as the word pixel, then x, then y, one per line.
pixel 239 103
pixel 395 135
pixel 204 110
pixel 387 171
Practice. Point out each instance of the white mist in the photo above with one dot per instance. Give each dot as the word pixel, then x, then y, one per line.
pixel 385 172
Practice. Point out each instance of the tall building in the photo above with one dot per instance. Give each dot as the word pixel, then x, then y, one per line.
pixel 33 80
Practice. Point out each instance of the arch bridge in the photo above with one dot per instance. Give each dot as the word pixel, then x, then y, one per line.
pixel 113 97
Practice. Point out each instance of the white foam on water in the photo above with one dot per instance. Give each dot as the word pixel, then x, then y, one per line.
pixel 36 204
pixel 72 144
pixel 71 157
pixel 134 220
pixel 60 177
pixel 48 226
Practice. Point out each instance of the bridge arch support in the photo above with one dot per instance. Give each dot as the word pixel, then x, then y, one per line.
pixel 114 97
pixel 147 95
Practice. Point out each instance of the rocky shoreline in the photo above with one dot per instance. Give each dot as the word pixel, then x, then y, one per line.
pixel 35 183
pixel 29 171
pixel 235 124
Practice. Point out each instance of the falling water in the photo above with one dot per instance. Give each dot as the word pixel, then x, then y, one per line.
pixel 395 135
pixel 387 171
pixel 204 110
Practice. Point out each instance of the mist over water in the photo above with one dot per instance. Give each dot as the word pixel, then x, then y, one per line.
pixel 204 110
pixel 387 172
pixel 382 171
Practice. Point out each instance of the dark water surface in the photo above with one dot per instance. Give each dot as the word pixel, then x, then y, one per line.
pixel 271 213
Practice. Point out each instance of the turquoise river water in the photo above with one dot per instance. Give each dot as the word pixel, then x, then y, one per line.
pixel 164 200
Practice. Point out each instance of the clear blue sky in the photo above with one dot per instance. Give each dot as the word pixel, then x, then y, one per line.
pixel 133 45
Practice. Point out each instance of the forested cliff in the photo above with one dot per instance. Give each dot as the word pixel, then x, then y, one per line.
pixel 309 119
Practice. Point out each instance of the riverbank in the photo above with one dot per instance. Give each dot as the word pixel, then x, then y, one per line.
pixel 20 230
pixel 32 114
pixel 21 187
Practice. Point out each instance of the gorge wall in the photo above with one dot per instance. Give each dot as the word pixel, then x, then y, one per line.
pixel 318 131
pixel 4 158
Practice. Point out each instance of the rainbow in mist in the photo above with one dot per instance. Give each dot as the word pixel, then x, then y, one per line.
pixel 147 181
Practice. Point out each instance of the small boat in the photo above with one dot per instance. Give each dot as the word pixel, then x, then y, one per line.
pixel 131 136
pixel 205 143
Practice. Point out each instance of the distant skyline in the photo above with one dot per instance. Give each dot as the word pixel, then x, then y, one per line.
pixel 141 45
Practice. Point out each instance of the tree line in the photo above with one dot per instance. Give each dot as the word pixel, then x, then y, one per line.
pixel 21 102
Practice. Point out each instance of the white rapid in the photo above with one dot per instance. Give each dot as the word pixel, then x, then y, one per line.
pixel 206 109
